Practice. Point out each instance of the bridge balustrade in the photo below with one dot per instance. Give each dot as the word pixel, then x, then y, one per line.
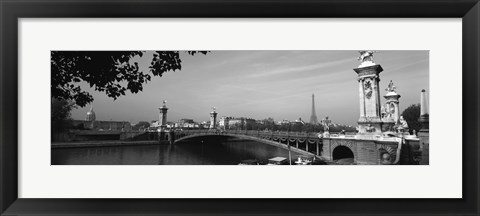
pixel 309 142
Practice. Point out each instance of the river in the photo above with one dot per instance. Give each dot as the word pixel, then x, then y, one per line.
pixel 200 151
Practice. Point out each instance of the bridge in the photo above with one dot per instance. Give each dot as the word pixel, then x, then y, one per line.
pixel 303 143
pixel 363 150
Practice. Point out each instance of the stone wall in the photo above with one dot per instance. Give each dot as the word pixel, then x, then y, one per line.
pixel 424 144
pixel 411 152
pixel 90 135
pixel 103 125
pixel 365 151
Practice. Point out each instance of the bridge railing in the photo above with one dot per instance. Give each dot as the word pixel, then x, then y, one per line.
pixel 277 133
pixel 301 140
pixel 248 132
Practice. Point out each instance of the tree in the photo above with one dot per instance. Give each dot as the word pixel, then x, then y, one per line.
pixel 296 126
pixel 268 124
pixel 411 115
pixel 60 115
pixel 112 72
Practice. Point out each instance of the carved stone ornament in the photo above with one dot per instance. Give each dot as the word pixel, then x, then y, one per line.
pixel 368 84
pixel 368 89
pixel 369 94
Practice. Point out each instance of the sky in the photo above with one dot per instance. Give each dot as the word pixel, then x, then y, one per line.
pixel 262 84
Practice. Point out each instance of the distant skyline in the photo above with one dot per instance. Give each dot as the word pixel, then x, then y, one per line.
pixel 262 84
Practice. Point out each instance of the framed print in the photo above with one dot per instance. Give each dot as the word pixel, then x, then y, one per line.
pixel 329 107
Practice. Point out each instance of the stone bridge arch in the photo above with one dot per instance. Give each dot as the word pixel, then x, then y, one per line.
pixel 247 137
pixel 331 144
pixel 342 152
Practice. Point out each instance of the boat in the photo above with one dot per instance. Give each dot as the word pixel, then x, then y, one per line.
pixel 249 162
pixel 277 161
pixel 304 160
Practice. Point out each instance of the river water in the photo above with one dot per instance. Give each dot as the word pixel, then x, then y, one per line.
pixel 200 151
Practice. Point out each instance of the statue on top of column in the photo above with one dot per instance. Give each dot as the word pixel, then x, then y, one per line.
pixel 326 124
pixel 391 87
pixel 366 55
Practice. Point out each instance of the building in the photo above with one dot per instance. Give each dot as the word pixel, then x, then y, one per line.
pixel 155 126
pixel 241 123
pixel 186 123
pixel 102 125
pixel 223 122
pixel 235 123
pixel 91 123
pixel 91 115
pixel 299 121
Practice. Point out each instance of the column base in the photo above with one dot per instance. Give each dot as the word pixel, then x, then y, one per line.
pixel 370 125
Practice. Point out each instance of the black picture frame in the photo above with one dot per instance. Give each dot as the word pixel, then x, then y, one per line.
pixel 12 10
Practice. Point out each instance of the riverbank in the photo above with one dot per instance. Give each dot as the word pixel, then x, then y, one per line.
pixel 105 143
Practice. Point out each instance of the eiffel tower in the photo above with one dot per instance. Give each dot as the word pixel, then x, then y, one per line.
pixel 313 118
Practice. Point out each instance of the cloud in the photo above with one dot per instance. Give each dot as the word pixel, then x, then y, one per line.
pixel 300 68
pixel 236 57
pixel 407 65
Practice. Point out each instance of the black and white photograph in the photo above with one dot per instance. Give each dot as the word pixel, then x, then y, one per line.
pixel 318 107
pixel 240 107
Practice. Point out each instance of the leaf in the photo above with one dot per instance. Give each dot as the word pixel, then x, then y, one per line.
pixel 105 71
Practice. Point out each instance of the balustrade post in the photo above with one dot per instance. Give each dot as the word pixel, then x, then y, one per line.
pixel 316 142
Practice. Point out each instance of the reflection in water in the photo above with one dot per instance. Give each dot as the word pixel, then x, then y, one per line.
pixel 201 151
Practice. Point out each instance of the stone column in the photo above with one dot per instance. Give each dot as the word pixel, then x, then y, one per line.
pixel 213 119
pixel 378 110
pixel 423 104
pixel 423 134
pixel 162 120
pixel 362 98
pixel 370 122
pixel 374 98
pixel 326 151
